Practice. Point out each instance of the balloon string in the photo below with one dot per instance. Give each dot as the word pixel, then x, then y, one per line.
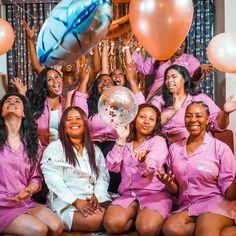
pixel 196 5
pixel 24 10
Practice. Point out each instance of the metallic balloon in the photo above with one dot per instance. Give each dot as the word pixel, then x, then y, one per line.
pixel 221 52
pixel 72 29
pixel 117 106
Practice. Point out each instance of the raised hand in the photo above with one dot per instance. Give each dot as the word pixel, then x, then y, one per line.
pixel 131 73
pixel 229 105
pixel 21 88
pixel 122 133
pixel 207 68
pixel 30 32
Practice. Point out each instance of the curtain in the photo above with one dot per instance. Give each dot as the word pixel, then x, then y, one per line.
pixel 199 36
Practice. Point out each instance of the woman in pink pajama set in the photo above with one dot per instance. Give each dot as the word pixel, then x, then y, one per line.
pixel 204 169
pixel 144 202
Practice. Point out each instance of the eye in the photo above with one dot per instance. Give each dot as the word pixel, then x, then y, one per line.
pixel 49 79
pixel 68 119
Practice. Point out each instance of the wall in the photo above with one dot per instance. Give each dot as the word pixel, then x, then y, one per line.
pixel 230 27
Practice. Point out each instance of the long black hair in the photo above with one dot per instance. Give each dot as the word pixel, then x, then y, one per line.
pixel 87 141
pixel 157 129
pixel 39 93
pixel 188 84
pixel 28 130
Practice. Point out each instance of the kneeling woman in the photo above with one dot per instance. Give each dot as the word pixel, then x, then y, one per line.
pixel 204 169
pixel 143 201
pixel 20 175
pixel 76 175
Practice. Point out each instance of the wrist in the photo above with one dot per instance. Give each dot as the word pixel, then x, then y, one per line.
pixel 120 142
pixel 225 112
pixel 29 190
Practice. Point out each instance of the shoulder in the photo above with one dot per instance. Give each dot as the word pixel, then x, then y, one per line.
pixel 54 147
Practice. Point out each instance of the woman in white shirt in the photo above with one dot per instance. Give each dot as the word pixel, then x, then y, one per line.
pixel 76 175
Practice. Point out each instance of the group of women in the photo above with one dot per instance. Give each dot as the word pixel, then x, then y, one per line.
pixel 167 151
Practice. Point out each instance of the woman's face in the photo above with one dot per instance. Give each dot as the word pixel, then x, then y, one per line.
pixel 181 48
pixel 74 125
pixel 174 81
pixel 54 83
pixel 145 121
pixel 118 77
pixel 196 119
pixel 105 82
pixel 13 105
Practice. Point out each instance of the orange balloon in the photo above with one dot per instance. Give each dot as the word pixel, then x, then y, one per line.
pixel 6 36
pixel 221 52
pixel 161 25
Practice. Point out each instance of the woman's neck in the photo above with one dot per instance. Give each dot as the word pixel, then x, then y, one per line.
pixel 194 142
pixel 54 102
pixel 78 144
pixel 139 140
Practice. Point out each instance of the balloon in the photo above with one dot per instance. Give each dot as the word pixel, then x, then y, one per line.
pixel 6 36
pixel 161 25
pixel 221 52
pixel 72 29
pixel 117 106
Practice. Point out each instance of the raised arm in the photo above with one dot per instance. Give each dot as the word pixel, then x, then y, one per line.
pixel 105 58
pixel 30 34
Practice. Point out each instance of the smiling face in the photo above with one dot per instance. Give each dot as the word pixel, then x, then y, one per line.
pixel 54 83
pixel 145 121
pixel 104 82
pixel 174 81
pixel 13 106
pixel 118 77
pixel 196 119
pixel 74 125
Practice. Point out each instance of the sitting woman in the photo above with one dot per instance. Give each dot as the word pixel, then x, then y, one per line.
pixel 20 175
pixel 76 175
pixel 143 201
pixel 204 169
pixel 177 95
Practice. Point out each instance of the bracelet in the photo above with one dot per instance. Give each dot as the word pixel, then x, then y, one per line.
pixel 120 144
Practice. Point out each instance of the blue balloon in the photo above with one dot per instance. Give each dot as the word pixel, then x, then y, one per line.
pixel 72 29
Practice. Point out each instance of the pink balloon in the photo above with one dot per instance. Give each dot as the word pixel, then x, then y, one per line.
pixel 221 52
pixel 161 25
pixel 6 36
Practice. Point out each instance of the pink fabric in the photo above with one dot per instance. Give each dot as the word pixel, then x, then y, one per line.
pixel 16 173
pixel 175 129
pixel 43 123
pixel 146 67
pixel 204 177
pixel 100 130
pixel 138 180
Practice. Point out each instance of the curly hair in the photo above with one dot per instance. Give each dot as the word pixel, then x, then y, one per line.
pixel 67 144
pixel 39 93
pixel 28 129
pixel 157 129
pixel 188 84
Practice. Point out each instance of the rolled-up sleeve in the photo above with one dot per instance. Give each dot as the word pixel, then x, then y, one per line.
pixel 80 100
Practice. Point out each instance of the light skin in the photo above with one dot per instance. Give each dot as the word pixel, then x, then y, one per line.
pixel 41 221
pixel 89 214
pixel 196 121
pixel 117 219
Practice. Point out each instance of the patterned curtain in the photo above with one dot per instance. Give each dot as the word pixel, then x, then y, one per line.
pixel 18 61
pixel 199 36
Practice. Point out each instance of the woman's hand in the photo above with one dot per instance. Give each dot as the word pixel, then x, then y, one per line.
pixel 85 207
pixel 131 73
pixel 141 154
pixel 23 195
pixel 94 203
pixel 229 105
pixel 30 32
pixel 166 179
pixel 122 133
pixel 207 69
pixel 21 88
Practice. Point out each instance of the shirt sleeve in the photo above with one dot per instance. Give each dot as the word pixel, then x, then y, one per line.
pixel 102 183
pixel 80 100
pixel 146 67
pixel 114 158
pixel 53 175
pixel 193 64
pixel 157 101
pixel 140 99
pixel 227 166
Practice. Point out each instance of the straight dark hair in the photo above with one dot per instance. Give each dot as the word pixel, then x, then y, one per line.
pixel 188 84
pixel 87 141
pixel 157 129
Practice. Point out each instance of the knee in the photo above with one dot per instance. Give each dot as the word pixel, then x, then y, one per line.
pixel 57 228
pixel 148 229
pixel 170 230
pixel 39 230
pixel 113 226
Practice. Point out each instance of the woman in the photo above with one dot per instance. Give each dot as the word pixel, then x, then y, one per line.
pixel 143 201
pixel 177 95
pixel 180 57
pixel 102 133
pixel 204 169
pixel 20 176
pixel 76 175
